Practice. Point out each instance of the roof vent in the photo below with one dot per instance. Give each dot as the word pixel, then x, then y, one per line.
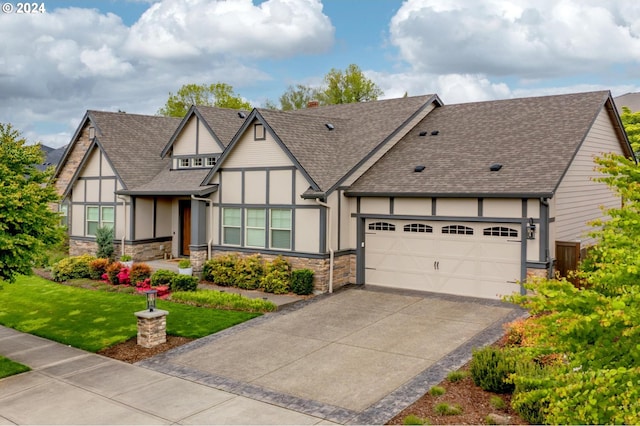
pixel 495 167
pixel 419 169
pixel 242 114
pixel 330 126
pixel 423 133
pixel 435 133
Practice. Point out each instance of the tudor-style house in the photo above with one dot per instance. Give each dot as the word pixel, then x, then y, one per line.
pixel 465 199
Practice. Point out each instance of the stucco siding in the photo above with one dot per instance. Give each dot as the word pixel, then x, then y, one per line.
pixel 280 186
pixel 78 191
pixel 457 207
pixel 107 190
pixel 92 191
pixel 185 143
pixel 578 198
pixel 302 184
pixel 412 206
pixel 255 187
pixel 307 238
pixel 92 165
pixel 163 217
pixel 77 225
pixel 144 218
pixel 248 152
pixel 502 208
pixel 375 205
pixel 231 187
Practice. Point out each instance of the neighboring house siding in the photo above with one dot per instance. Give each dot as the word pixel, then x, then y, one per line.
pixel 578 198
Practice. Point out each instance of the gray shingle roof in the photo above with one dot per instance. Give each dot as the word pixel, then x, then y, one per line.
pixel 133 143
pixel 630 100
pixel 224 122
pixel 534 139
pixel 328 155
pixel 174 182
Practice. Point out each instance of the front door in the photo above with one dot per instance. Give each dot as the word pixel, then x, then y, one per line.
pixel 185 234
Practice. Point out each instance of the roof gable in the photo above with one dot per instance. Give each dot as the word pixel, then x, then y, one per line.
pixel 534 139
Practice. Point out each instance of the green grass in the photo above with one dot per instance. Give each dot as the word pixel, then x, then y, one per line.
pixel 456 376
pixel 93 320
pixel 9 368
pixel 220 300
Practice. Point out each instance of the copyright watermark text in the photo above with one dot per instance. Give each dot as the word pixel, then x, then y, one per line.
pixel 23 8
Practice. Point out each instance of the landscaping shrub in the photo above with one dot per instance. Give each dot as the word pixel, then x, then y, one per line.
pixel 490 367
pixel 104 240
pixel 249 272
pixel 456 376
pixel 221 270
pixel 412 419
pixel 445 409
pixel 497 403
pixel 437 391
pixel 139 272
pixel 72 267
pixel 112 272
pixel 184 283
pixel 184 264
pixel 302 281
pixel 222 300
pixel 97 268
pixel 162 277
pixel 277 277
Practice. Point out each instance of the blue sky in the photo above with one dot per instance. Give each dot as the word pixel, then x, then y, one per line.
pixel 129 54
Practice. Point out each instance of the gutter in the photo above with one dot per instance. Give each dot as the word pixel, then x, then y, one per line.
pixel 124 212
pixel 210 242
pixel 323 204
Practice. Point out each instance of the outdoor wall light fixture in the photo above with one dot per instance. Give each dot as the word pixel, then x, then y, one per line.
pixel 531 230
pixel 151 299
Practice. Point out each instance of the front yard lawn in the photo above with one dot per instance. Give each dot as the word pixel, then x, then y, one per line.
pixel 93 320
pixel 9 368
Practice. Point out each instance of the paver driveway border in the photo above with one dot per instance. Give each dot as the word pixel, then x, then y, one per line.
pixel 377 413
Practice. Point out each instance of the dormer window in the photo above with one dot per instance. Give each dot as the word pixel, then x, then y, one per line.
pixel 183 162
pixel 196 162
pixel 259 133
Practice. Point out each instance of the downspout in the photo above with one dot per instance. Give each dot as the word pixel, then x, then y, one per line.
pixel 323 204
pixel 545 202
pixel 210 242
pixel 124 212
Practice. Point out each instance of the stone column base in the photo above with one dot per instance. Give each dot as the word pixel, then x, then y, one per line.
pixel 152 328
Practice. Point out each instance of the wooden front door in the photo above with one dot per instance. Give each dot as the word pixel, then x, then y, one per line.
pixel 567 258
pixel 185 219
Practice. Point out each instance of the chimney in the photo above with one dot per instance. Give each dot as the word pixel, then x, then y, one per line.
pixel 313 104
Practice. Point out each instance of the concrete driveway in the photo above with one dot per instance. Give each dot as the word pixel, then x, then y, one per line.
pixel 357 356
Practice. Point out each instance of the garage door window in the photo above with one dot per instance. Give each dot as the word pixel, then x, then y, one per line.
pixel 457 229
pixel 418 227
pixel 382 226
pixel 500 231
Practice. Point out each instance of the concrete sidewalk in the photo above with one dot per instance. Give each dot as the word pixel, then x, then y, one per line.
pixel 71 386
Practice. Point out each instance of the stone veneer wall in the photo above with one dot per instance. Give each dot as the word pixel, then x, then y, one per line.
pixel 74 158
pixel 344 267
pixel 138 252
pixel 540 273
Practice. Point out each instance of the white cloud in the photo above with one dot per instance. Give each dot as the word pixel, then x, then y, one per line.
pixel 275 28
pixel 516 37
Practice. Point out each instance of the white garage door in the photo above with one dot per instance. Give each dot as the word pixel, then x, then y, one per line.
pixel 470 259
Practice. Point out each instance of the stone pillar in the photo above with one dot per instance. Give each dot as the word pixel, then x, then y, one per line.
pixel 152 327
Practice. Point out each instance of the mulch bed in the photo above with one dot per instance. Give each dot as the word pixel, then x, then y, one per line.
pixel 130 352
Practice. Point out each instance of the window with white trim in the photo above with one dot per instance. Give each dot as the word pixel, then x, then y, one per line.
pixel 457 229
pixel 197 162
pixel 382 226
pixel 231 226
pixel 255 228
pixel 418 227
pixel 500 231
pixel 211 161
pixel 183 162
pixel 64 214
pixel 96 217
pixel 280 228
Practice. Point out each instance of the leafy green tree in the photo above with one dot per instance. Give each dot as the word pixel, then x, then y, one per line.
pixel 631 122
pixel 340 87
pixel 217 94
pixel 349 86
pixel 28 226
pixel 298 97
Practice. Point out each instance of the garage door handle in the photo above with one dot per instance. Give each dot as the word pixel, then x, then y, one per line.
pixel 371 268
